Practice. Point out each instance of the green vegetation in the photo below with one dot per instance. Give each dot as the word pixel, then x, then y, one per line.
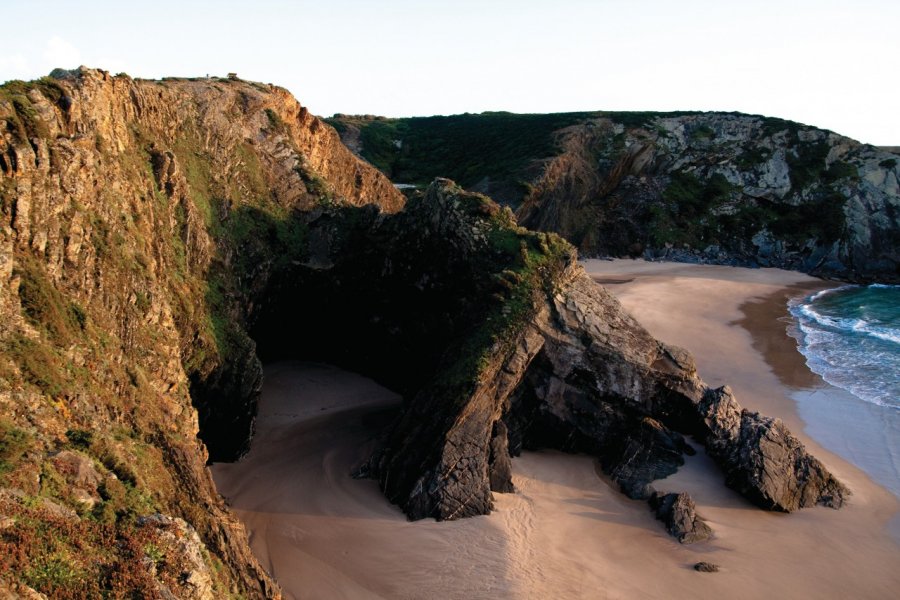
pixel 518 267
pixel 80 438
pixel 807 164
pixel 66 558
pixel 688 215
pixel 26 123
pixel 45 307
pixel 685 216
pixel 773 125
pixel 752 157
pixel 470 148
pixel 822 219
pixel 466 148
pixel 703 132
pixel 13 443
pixel 275 121
pixel 840 170
pixel 40 364
pixel 888 163
pixel 641 119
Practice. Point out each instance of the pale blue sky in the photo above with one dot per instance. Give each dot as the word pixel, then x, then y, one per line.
pixel 832 64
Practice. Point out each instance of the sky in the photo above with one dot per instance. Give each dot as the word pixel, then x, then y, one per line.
pixel 832 64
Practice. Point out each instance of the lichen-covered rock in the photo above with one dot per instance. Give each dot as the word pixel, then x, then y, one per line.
pixel 762 459
pixel 723 188
pixel 679 514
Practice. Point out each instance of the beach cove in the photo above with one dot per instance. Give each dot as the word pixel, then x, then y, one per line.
pixel 565 533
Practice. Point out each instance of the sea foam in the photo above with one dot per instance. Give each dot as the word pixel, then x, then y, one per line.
pixel 850 336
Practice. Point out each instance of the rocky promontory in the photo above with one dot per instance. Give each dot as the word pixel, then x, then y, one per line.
pixel 160 238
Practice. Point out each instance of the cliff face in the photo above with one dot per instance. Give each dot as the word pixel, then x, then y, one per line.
pixel 139 221
pixel 157 237
pixel 724 188
pixel 702 187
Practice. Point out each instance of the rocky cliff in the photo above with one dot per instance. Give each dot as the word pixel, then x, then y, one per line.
pixel 701 187
pixel 140 220
pixel 159 237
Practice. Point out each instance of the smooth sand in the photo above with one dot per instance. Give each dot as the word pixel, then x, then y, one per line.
pixel 565 533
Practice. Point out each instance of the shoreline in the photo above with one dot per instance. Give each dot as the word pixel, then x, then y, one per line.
pixel 565 532
pixel 863 433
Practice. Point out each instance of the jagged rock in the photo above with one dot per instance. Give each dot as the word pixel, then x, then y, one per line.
pixel 499 463
pixel 706 567
pixel 762 459
pixel 652 452
pixel 679 514
pixel 580 375
pixel 143 216
pixel 182 547
pixel 77 469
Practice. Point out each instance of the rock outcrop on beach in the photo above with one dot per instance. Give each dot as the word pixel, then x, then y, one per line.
pixel 762 459
pixel 724 188
pixel 159 237
pixel 568 370
pixel 679 514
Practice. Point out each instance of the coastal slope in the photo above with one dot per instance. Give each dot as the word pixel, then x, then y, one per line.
pixel 725 188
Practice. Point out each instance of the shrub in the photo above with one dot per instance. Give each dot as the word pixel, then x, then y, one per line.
pixel 807 164
pixel 80 438
pixel 840 170
pixel 13 443
pixel 703 132
pixel 45 306
pixel 40 365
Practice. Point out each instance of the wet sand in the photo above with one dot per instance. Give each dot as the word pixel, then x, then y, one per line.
pixel 565 533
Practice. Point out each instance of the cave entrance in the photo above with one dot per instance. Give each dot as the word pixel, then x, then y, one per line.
pixel 380 296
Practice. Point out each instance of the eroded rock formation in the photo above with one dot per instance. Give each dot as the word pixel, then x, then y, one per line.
pixel 158 237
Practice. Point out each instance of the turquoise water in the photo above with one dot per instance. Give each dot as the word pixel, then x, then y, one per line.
pixel 851 337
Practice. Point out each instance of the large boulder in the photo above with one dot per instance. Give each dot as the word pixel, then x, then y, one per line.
pixel 762 459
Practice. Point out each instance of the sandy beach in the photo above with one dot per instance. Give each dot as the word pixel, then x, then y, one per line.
pixel 565 533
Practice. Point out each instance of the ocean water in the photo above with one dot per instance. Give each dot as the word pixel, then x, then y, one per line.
pixel 850 336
